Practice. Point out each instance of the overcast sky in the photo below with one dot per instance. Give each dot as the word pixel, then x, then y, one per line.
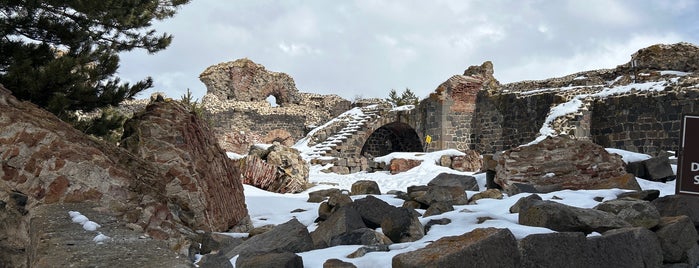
pixel 367 47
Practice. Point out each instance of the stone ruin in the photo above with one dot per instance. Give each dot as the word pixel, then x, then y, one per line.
pixel 236 104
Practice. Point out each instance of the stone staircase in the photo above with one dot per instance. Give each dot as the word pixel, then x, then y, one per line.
pixel 357 124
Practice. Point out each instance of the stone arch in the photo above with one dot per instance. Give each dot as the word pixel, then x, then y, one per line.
pixel 392 137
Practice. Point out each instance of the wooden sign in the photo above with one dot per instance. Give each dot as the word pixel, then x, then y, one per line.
pixel 688 165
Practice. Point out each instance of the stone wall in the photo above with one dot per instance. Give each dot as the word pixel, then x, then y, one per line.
pixel 646 123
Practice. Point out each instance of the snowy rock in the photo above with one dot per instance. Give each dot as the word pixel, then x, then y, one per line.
pixel 398 165
pixel 638 213
pixel 291 236
pixel 340 222
pixel 488 247
pixel 627 247
pixel 270 259
pixel 402 225
pixel 564 218
pixel 365 187
pixel 566 249
pixel 654 169
pixel 563 162
pixel 676 205
pixel 445 194
pixel 438 208
pixel 361 236
pixel 466 182
pixel 677 237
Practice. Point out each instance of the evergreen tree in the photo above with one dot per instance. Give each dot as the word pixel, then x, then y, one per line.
pixel 63 54
pixel 405 98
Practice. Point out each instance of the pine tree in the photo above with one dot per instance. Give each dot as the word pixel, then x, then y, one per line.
pixel 63 55
pixel 405 98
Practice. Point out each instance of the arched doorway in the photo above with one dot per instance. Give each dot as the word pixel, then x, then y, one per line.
pixel 392 137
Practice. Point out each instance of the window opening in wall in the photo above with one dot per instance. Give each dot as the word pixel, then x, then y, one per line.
pixel 272 101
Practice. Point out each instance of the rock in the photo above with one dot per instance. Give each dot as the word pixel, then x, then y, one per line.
pixel 215 241
pixel 339 200
pixel 567 249
pixel 361 236
pixel 270 259
pixel 278 169
pixel 647 195
pixel 466 182
pixel 360 252
pixel 365 187
pixel 372 210
pixel 653 169
pixel 638 213
pixel 199 178
pixel 321 195
pixel 336 263
pixel 342 221
pixel 244 80
pixel 412 204
pixel 627 247
pixel 680 56
pixel 485 247
pixel 444 194
pixel 44 161
pixel 490 193
pixel 402 225
pixel 399 165
pixel 442 221
pixel 470 162
pixel 676 205
pixel 677 237
pixel 438 208
pixel 563 162
pixel 260 230
pixel 517 188
pixel 291 236
pixel 564 218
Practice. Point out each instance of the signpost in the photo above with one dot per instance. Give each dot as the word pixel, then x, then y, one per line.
pixel 688 166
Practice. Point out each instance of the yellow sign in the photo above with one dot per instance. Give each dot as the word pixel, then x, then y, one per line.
pixel 428 139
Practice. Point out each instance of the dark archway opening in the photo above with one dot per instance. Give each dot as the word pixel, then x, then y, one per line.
pixel 393 137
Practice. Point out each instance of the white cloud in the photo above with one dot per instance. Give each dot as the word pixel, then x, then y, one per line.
pixel 294 49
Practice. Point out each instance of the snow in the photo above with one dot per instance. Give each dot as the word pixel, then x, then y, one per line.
pixel 629 157
pixel 234 156
pixel 272 208
pixel 88 225
pixel 676 73
pixel 100 238
pixel 403 108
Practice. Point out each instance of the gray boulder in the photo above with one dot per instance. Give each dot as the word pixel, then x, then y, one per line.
pixel 627 247
pixel 372 210
pixel 677 237
pixel 322 195
pixel 654 169
pixel 567 249
pixel 488 247
pixel 361 236
pixel 270 260
pixel 638 213
pixel 524 203
pixel 402 225
pixel 564 218
pixel 444 194
pixel 291 236
pixel 342 221
pixel 466 182
pixel 675 205
pixel 365 187
pixel 438 208
pixel 337 263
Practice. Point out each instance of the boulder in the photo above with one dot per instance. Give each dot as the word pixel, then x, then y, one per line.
pixel 654 169
pixel 466 182
pixel 676 205
pixel 402 225
pixel 199 178
pixel 564 218
pixel 490 193
pixel 638 213
pixel 336 263
pixel 270 260
pixel 677 237
pixel 278 169
pixel 361 236
pixel 565 163
pixel 291 236
pixel 215 241
pixel 399 165
pixel 372 210
pixel 524 203
pixel 488 247
pixel 438 208
pixel 567 249
pixel 627 247
pixel 321 195
pixel 444 194
pixel 245 80
pixel 647 195
pixel 365 187
pixel 342 221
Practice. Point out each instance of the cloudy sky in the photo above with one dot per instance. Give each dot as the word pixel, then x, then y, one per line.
pixel 367 47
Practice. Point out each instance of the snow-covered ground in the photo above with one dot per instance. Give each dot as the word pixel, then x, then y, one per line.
pixel 271 208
